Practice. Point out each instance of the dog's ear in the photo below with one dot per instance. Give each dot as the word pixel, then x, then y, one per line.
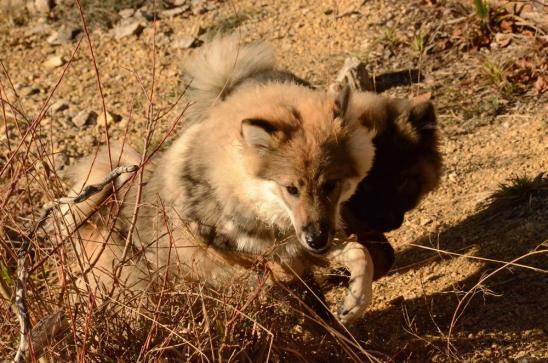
pixel 416 119
pixel 423 118
pixel 342 98
pixel 423 115
pixel 260 134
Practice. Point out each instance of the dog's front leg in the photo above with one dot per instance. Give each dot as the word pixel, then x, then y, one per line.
pixel 354 257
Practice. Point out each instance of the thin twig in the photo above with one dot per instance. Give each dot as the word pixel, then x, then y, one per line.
pixel 20 303
pixel 92 189
pixel 506 263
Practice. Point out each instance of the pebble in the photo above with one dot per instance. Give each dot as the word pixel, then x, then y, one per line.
pixel 144 13
pixel 179 2
pixel 111 118
pixel 84 118
pixel 28 91
pixel 44 6
pixel 170 13
pixel 126 13
pixel 127 27
pixel 64 35
pixel 59 106
pixel 54 62
pixel 185 42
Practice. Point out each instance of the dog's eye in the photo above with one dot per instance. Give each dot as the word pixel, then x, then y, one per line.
pixel 328 187
pixel 292 190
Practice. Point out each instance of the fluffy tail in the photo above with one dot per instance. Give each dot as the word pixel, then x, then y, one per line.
pixel 92 170
pixel 220 66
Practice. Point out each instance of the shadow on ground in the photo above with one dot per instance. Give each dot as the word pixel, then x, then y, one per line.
pixel 509 311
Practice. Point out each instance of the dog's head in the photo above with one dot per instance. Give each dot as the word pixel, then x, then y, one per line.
pixel 407 163
pixel 310 155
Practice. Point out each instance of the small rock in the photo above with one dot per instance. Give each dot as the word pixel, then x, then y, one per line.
pixel 54 62
pixel 111 118
pixel 198 7
pixel 59 106
pixel 126 13
pixel 424 221
pixel 178 2
pixel 28 91
pixel 64 35
pixel 84 118
pixel 44 6
pixel 170 13
pixel 144 13
pixel 127 27
pixel 185 42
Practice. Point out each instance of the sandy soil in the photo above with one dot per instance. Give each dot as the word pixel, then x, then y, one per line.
pixel 491 132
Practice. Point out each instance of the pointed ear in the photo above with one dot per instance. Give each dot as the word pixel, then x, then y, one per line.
pixel 423 116
pixel 258 133
pixel 341 101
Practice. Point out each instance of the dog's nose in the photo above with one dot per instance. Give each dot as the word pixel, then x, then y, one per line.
pixel 317 236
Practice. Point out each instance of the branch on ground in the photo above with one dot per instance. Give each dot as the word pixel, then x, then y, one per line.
pixel 355 74
pixel 52 325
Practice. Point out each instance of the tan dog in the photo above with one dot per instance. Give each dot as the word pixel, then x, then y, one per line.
pixel 261 170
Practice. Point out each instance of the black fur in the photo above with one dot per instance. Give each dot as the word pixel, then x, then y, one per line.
pixel 396 182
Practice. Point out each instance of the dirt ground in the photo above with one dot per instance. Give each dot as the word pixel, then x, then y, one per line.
pixel 450 296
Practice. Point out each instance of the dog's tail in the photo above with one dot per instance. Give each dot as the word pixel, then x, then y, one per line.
pixel 222 64
pixel 93 170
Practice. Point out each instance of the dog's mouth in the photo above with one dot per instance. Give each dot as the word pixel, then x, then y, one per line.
pixel 318 251
pixel 315 244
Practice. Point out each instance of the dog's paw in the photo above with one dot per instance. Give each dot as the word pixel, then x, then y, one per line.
pixel 356 301
pixel 357 260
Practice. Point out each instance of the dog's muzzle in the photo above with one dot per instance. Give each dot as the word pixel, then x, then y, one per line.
pixel 316 237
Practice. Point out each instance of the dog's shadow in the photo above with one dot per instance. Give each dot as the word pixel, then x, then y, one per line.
pixel 508 308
